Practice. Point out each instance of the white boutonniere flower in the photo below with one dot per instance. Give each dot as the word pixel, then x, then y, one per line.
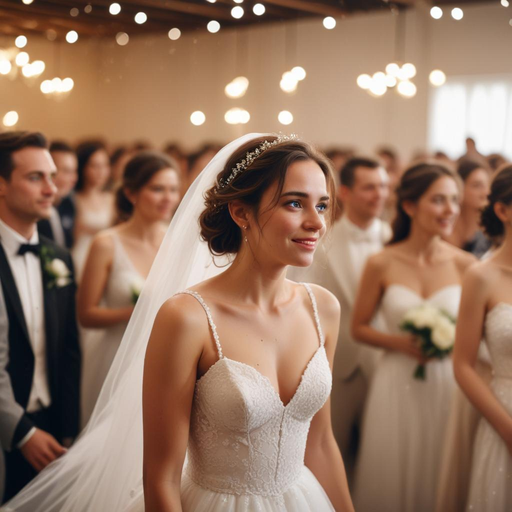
pixel 57 273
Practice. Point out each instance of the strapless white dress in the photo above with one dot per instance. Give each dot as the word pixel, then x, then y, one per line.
pixel 405 418
pixel 490 488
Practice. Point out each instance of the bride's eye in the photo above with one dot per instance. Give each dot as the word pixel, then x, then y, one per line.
pixel 322 207
pixel 293 204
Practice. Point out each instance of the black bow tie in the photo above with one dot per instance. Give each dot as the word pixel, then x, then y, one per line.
pixel 33 248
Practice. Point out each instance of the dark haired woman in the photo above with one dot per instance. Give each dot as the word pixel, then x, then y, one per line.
pixel 486 311
pixel 237 372
pixel 119 261
pixel 246 381
pixel 94 205
pixel 405 418
pixel 467 232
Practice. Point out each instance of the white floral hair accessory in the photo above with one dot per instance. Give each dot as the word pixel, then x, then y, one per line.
pixel 253 155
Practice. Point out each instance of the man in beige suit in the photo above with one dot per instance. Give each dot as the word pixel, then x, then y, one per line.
pixel 338 266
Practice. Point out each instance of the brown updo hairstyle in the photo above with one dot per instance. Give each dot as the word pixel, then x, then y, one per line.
pixel 218 229
pixel 501 192
pixel 138 171
pixel 414 183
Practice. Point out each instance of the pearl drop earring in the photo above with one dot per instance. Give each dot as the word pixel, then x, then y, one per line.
pixel 245 236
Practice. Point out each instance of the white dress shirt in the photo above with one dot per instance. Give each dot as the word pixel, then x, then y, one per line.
pixel 27 275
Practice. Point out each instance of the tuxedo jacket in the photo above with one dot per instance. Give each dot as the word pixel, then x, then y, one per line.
pixel 66 210
pixel 62 356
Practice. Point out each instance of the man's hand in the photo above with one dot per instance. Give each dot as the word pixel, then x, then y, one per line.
pixel 41 449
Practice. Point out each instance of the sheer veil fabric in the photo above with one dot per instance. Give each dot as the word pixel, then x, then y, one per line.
pixel 103 470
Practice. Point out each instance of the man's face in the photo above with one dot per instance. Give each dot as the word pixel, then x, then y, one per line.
pixel 67 174
pixel 29 193
pixel 367 196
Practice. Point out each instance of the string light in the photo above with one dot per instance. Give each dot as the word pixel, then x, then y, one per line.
pixel 57 86
pixel 21 41
pixel 141 18
pixel 5 67
pixel 122 38
pixel 237 87
pixel 213 26
pixel 22 58
pixel 457 13
pixel 72 37
pixel 329 22
pixel 237 116
pixel 285 117
pixel 437 77
pixel 174 34
pixel 237 12
pixel 197 118
pixel 114 9
pixel 436 13
pixel 11 118
pixel 258 9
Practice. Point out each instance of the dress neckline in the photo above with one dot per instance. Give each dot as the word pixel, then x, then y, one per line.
pixel 414 292
pixel 260 375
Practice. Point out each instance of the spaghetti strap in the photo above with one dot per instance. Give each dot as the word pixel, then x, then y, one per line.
pixel 315 312
pixel 208 316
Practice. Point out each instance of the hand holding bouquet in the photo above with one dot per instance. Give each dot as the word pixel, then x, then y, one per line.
pixel 434 329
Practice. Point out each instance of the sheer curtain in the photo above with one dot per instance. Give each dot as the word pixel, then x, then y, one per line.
pixel 477 107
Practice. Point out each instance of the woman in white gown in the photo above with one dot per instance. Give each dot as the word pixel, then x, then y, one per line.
pixel 248 394
pixel 94 205
pixel 119 261
pixel 486 311
pixel 405 418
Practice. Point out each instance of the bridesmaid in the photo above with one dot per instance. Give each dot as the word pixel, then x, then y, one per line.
pixel 486 310
pixel 94 206
pixel 405 418
pixel 119 261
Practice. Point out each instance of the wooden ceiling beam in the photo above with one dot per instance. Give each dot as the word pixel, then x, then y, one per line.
pixel 310 7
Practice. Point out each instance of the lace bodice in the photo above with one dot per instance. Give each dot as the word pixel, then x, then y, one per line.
pixel 399 299
pixel 498 334
pixel 243 439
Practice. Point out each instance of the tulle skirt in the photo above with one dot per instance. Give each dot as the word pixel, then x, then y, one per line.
pixel 306 495
pixel 490 488
pixel 402 437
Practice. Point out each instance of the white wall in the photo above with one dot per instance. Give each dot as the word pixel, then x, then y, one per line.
pixel 148 88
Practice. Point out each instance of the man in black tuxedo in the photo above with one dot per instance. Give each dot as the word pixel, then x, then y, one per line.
pixel 39 384
pixel 60 225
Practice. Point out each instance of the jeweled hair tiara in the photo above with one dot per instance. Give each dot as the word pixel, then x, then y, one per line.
pixel 251 156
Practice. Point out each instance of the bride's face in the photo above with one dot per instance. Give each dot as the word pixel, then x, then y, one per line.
pixel 288 232
pixel 438 208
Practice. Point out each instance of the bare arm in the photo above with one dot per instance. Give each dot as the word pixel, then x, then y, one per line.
pixel 470 326
pixel 170 372
pixel 92 287
pixel 323 456
pixel 369 294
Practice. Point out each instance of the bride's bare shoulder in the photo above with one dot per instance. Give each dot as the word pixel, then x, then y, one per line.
pixel 327 303
pixel 182 312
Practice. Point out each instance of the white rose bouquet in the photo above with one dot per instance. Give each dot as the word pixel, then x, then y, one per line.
pixel 434 328
pixel 136 288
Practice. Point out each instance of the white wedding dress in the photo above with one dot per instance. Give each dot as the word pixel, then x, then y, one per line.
pixel 490 488
pixel 405 419
pixel 99 350
pixel 246 448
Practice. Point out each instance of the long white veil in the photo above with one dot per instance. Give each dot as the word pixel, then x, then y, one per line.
pixel 102 472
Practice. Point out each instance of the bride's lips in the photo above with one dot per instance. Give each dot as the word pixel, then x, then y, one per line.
pixel 307 243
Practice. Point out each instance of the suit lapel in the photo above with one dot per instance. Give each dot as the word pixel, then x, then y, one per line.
pixel 11 291
pixel 50 309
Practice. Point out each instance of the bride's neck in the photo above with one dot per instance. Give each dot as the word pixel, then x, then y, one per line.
pixel 252 282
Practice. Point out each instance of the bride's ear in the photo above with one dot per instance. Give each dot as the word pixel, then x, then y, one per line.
pixel 240 213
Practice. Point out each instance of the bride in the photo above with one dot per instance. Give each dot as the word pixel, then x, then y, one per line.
pixel 237 369
pixel 405 418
